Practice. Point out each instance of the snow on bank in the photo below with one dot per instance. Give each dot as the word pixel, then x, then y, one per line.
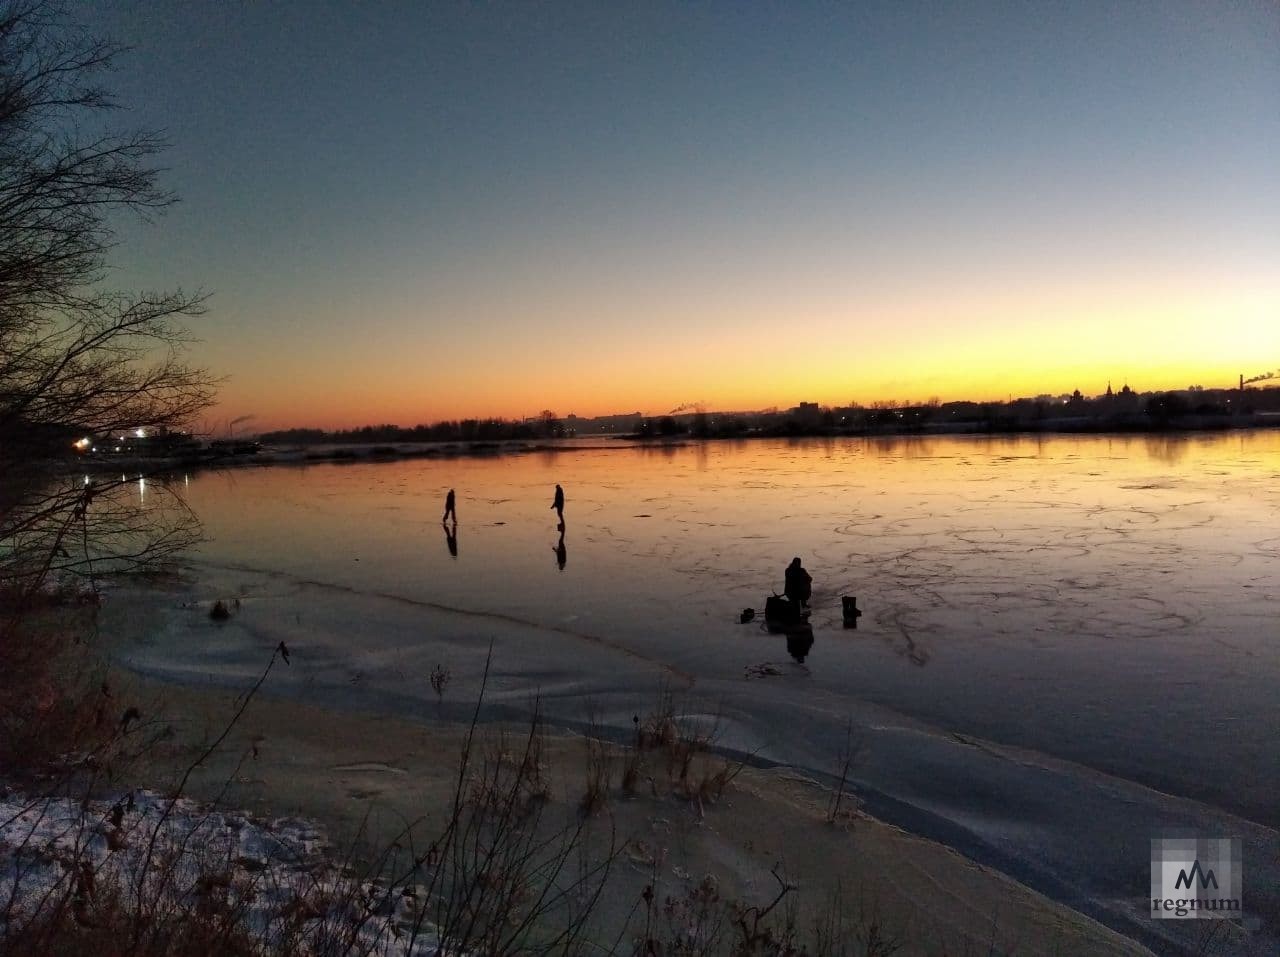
pixel 277 877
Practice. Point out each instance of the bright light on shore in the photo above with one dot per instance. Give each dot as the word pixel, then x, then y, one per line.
pixel 82 444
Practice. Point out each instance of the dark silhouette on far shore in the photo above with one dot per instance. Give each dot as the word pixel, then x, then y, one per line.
pixel 562 553
pixel 449 508
pixel 558 505
pixel 1249 403
pixel 451 537
pixel 799 585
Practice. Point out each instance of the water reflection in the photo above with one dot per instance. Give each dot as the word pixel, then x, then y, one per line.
pixel 662 449
pixel 562 553
pixel 1040 579
pixel 893 446
pixel 1167 449
pixel 799 641
pixel 451 537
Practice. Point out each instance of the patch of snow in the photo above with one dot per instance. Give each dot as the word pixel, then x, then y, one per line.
pixel 179 856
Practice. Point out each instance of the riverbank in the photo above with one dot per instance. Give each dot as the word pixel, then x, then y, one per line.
pixel 364 776
pixel 390 450
pixel 287 804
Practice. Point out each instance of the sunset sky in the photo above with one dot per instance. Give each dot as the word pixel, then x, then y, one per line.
pixel 407 211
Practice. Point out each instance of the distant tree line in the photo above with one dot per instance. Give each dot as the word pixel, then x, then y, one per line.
pixel 1125 410
pixel 451 430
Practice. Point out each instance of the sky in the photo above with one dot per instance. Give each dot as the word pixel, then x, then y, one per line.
pixel 406 212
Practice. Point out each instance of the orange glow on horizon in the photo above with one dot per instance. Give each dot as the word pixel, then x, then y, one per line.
pixel 977 346
pixel 409 409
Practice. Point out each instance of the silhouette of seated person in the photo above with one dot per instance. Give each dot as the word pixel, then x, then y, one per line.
pixel 451 538
pixel 562 553
pixel 799 641
pixel 799 586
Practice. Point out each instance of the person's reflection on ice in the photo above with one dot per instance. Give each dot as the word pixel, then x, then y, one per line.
pixel 799 642
pixel 562 553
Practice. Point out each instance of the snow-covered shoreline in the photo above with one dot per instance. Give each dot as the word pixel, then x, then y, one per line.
pixel 277 877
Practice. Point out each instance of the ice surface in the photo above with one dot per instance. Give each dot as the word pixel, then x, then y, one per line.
pixel 1070 644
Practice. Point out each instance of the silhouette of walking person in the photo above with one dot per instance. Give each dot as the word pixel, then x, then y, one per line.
pixel 449 509
pixel 451 537
pixel 799 586
pixel 558 505
pixel 562 553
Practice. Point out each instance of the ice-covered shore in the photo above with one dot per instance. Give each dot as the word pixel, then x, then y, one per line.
pixel 1064 829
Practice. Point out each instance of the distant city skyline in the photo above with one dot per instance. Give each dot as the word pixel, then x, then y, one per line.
pixel 411 212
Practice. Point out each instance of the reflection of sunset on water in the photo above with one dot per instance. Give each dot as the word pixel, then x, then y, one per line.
pixel 1041 590
pixel 1044 617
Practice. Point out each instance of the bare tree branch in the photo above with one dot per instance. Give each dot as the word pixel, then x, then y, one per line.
pixel 76 358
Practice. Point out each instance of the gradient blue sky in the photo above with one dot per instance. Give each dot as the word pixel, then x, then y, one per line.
pixel 413 211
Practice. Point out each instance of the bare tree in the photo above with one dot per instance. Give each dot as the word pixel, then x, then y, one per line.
pixel 76 358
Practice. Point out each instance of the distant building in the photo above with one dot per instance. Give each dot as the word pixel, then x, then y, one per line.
pixel 807 413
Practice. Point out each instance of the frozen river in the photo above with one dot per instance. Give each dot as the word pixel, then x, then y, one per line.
pixel 1070 644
